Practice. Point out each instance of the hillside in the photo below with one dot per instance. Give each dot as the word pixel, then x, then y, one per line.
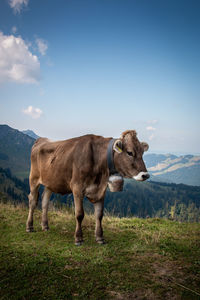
pixel 143 259
pixel 153 199
pixel 173 169
pixel 12 188
pixel 15 149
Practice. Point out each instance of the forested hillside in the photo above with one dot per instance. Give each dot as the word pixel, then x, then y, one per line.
pixel 12 188
pixel 15 149
pixel 152 199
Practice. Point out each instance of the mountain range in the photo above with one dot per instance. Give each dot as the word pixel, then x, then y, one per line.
pixel 174 169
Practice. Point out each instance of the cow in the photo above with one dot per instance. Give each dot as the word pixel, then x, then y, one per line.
pixel 82 166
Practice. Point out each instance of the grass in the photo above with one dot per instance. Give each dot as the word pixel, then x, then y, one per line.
pixel 143 258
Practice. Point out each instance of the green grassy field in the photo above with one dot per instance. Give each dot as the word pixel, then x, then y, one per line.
pixel 143 259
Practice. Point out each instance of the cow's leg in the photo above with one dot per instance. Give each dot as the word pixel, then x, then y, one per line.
pixel 45 203
pixel 79 214
pixel 33 200
pixel 98 208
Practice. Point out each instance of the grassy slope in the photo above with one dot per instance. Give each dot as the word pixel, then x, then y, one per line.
pixel 143 259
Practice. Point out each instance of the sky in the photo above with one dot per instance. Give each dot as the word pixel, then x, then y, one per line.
pixel 70 67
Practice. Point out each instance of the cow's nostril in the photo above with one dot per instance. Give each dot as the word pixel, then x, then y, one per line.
pixel 145 176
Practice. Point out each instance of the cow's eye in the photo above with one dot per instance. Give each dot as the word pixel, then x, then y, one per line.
pixel 130 153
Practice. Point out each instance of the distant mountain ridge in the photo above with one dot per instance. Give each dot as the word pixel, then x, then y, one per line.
pixel 31 134
pixel 175 169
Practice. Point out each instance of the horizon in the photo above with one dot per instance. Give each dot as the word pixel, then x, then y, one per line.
pixel 100 67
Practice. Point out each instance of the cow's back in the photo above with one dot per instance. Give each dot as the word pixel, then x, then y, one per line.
pixel 55 164
pixel 50 164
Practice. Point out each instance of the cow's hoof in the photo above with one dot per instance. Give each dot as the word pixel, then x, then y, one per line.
pixel 101 242
pixel 45 228
pixel 79 243
pixel 30 229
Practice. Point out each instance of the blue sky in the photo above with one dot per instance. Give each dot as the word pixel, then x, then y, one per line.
pixel 69 68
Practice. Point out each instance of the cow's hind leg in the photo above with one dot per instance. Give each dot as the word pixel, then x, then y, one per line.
pixel 98 208
pixel 33 201
pixel 45 203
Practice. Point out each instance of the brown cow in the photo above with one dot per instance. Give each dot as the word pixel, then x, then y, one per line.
pixel 82 166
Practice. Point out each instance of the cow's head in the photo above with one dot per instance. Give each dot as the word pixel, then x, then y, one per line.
pixel 128 156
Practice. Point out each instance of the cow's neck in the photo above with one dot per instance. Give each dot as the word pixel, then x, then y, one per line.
pixel 110 158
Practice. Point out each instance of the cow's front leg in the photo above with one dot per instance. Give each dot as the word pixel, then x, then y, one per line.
pixel 98 207
pixel 79 214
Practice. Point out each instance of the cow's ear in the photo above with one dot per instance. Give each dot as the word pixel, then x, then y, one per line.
pixel 145 146
pixel 117 146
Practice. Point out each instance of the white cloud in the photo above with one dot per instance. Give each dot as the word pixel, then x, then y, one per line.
pixel 17 63
pixel 33 112
pixel 42 46
pixel 17 5
pixel 150 128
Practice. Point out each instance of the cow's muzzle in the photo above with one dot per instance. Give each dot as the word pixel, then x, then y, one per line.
pixel 142 176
